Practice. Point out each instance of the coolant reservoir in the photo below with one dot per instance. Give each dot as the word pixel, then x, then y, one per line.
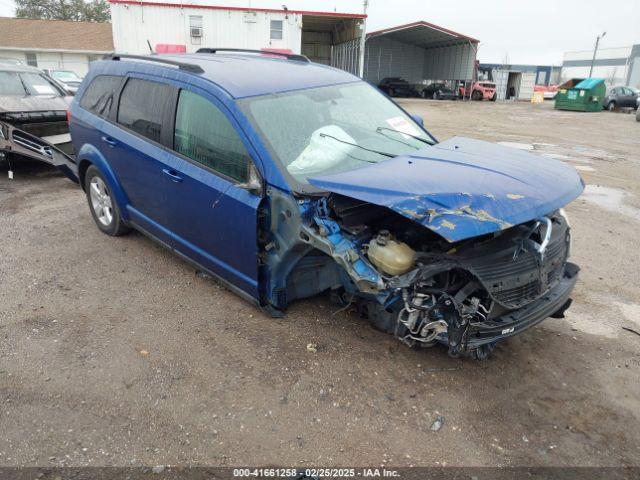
pixel 389 255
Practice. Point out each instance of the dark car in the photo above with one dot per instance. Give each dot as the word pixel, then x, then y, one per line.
pixel 286 179
pixel 438 91
pixel 619 97
pixel 397 87
pixel 33 117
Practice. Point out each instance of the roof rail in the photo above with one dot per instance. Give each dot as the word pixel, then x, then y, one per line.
pixel 189 67
pixel 288 56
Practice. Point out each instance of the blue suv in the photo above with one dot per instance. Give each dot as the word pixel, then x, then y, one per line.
pixel 286 179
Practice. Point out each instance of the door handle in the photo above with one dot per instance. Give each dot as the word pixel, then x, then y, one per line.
pixel 109 141
pixel 172 174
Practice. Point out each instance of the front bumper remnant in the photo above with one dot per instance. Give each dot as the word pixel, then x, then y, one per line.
pixel 16 142
pixel 526 317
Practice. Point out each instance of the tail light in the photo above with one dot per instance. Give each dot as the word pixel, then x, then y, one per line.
pixel 68 117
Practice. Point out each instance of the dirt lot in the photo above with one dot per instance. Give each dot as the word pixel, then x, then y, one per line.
pixel 114 352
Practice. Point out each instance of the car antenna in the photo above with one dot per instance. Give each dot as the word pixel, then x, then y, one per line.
pixel 150 47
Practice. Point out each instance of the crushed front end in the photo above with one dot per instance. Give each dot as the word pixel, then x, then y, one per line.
pixel 411 282
pixel 37 135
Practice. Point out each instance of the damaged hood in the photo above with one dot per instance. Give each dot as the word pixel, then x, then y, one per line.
pixel 33 103
pixel 462 188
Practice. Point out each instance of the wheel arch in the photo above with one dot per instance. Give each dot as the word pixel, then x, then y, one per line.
pixel 88 156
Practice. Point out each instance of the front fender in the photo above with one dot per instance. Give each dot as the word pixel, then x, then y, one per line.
pixel 88 154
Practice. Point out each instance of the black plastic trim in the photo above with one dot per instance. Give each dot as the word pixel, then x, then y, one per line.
pixel 526 317
pixel 188 67
pixel 288 56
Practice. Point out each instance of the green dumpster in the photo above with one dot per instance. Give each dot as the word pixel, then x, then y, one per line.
pixel 582 95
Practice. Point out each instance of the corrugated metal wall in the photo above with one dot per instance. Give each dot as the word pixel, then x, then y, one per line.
pixel 385 57
pixel 526 86
pixel 500 78
pixel 522 82
pixel 317 46
pixel 449 63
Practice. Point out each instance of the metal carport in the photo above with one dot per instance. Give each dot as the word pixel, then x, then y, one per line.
pixel 418 52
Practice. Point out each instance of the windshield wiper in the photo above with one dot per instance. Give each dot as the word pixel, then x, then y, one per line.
pixel 396 139
pixel 379 130
pixel 390 155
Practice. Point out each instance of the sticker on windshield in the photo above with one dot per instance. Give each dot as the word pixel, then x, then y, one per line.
pixel 402 125
pixel 44 89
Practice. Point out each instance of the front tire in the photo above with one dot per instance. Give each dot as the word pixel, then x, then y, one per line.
pixel 476 95
pixel 435 96
pixel 611 106
pixel 102 204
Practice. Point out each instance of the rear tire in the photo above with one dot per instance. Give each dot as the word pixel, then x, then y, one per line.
pixel 495 97
pixel 103 206
pixel 435 96
pixel 476 95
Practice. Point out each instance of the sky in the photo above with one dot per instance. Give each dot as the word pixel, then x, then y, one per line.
pixel 522 31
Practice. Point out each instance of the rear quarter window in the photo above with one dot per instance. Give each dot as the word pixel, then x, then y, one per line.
pixel 100 96
pixel 143 105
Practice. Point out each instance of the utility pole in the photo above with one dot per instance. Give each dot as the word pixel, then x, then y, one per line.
pixel 595 52
pixel 363 40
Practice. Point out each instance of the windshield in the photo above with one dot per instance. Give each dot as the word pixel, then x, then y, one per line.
pixel 25 83
pixel 65 75
pixel 332 129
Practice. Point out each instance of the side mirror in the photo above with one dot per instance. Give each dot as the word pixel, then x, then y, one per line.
pixel 418 119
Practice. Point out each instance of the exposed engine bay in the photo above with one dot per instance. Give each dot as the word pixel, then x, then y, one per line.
pixel 411 282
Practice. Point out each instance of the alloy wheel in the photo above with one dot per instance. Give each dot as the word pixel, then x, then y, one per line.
pixel 101 201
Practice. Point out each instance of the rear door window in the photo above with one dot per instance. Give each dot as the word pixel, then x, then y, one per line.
pixel 143 105
pixel 100 96
pixel 204 134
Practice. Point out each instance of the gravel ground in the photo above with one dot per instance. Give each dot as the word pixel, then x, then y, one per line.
pixel 114 352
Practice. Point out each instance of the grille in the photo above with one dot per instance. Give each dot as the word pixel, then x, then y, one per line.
pixel 519 295
pixel 514 283
pixel 30 143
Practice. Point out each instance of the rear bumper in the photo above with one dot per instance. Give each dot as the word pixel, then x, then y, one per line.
pixel 14 141
pixel 526 317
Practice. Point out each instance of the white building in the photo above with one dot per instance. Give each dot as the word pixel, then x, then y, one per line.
pixel 325 37
pixel 618 66
pixel 417 52
pixel 54 44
